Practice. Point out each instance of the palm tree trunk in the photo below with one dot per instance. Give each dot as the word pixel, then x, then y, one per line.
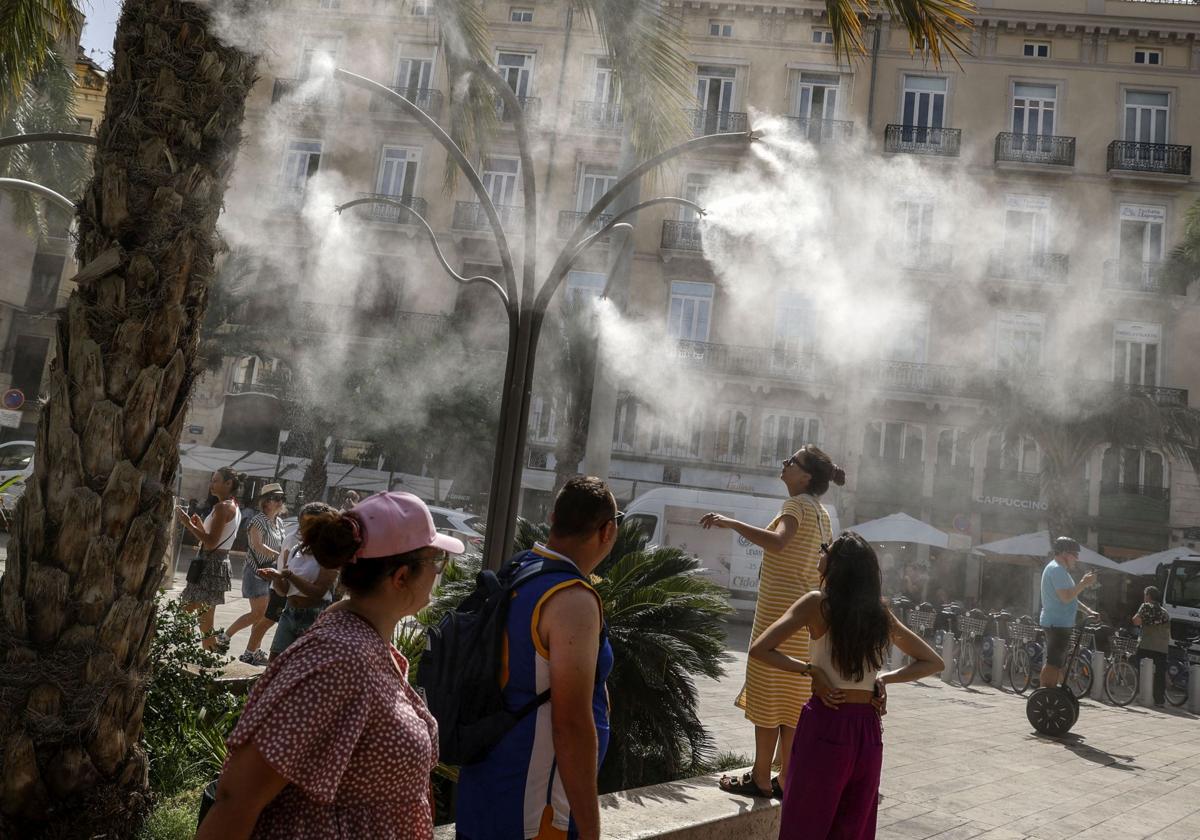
pixel 1060 498
pixel 87 550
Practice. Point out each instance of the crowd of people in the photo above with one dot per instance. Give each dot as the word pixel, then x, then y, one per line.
pixel 334 742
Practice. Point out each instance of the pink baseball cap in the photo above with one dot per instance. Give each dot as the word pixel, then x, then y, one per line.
pixel 397 523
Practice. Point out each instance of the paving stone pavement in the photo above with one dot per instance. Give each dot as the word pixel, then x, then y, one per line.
pixel 962 764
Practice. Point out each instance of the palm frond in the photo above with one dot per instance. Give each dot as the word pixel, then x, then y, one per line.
pixel 1182 267
pixel 934 26
pixel 30 32
pixel 466 41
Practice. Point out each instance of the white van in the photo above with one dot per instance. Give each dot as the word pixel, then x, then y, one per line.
pixel 671 517
pixel 16 465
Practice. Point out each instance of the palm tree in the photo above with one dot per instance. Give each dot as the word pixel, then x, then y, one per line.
pixel 86 554
pixel 1068 421
pixel 1183 263
pixel 31 33
pixel 574 371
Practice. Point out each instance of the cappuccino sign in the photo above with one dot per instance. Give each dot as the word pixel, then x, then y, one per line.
pixel 1005 501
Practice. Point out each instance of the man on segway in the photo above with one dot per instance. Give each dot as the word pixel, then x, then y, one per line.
pixel 1060 602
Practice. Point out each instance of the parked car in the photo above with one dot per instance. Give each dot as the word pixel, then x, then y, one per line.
pixel 467 527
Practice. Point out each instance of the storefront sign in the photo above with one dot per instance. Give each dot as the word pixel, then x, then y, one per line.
pixel 1137 331
pixel 1143 213
pixel 1005 501
pixel 9 419
pixel 1027 203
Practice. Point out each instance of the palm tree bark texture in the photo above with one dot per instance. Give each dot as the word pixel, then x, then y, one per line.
pixel 86 552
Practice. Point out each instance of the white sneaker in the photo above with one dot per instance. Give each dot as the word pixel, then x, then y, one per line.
pixel 259 659
pixel 222 641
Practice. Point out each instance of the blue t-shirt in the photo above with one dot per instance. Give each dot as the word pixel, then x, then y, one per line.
pixel 1054 612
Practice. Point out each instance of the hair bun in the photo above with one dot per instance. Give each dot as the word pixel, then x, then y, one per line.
pixel 333 537
pixel 839 476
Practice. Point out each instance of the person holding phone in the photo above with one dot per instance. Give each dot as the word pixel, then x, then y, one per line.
pixel 1060 603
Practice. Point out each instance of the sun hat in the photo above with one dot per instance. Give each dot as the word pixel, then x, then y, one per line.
pixel 397 523
pixel 272 488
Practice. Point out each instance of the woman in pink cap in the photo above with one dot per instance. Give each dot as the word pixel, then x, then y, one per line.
pixel 333 742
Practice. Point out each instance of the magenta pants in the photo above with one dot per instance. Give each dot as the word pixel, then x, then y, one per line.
pixel 833 776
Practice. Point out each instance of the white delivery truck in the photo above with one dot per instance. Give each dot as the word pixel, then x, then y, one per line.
pixel 670 516
pixel 1179 582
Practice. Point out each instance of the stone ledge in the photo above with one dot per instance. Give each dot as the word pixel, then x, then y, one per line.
pixel 689 808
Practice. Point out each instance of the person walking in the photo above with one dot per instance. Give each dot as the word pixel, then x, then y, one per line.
pixel 265 538
pixel 540 780
pixel 771 698
pixel 1155 639
pixel 1060 604
pixel 305 584
pixel 208 575
pixel 837 754
pixel 333 742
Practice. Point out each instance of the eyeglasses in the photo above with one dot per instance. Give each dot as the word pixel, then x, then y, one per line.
pixel 273 498
pixel 618 518
pixel 439 561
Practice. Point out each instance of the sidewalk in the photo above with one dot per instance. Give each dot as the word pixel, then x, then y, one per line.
pixel 964 764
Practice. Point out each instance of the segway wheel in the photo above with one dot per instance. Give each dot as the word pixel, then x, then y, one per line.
pixel 1051 711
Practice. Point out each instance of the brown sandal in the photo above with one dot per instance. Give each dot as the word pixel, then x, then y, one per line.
pixel 743 787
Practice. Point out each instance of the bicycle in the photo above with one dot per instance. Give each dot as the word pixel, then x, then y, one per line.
pixel 1079 666
pixel 1120 677
pixel 966 663
pixel 1025 647
pixel 999 622
pixel 1181 656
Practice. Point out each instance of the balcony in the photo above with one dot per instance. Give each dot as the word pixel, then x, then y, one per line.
pixel 428 100
pixel 1138 276
pixel 1151 158
pixel 470 215
pixel 568 220
pixel 272 389
pixel 531 106
pixel 307 94
pixel 1139 502
pixel 715 122
pixel 1163 397
pixel 736 360
pixel 936 257
pixel 1040 149
pixel 924 378
pixel 920 140
pixel 598 116
pixel 391 213
pixel 889 479
pixel 1033 267
pixel 681 236
pixel 818 131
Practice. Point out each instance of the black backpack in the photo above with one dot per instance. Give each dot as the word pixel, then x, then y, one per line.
pixel 459 671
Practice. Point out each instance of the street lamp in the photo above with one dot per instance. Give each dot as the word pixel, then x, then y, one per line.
pixel 526 306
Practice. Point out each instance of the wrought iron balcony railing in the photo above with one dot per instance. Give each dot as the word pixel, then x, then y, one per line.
pixel 391 213
pixel 308 94
pixel 604 116
pixel 816 130
pixel 428 100
pixel 922 140
pixel 530 105
pixel 1155 158
pixel 273 389
pixel 568 220
pixel 927 256
pixel 920 377
pixel 1045 149
pixel 681 236
pixel 767 362
pixel 1136 276
pixel 716 122
pixel 1034 266
pixel 470 215
pixel 1166 397
pixel 1119 488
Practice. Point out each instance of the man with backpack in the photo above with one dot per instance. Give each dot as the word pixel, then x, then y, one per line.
pixel 539 780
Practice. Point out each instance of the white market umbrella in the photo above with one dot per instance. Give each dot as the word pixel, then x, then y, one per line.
pixel 901 528
pixel 1148 564
pixel 1037 544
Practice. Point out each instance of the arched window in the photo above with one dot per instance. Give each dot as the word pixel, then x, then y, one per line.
pixel 783 434
pixel 733 429
pixel 1136 471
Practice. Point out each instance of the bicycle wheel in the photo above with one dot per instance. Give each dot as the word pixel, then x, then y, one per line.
pixel 1177 685
pixel 1121 683
pixel 1079 676
pixel 967 665
pixel 1020 670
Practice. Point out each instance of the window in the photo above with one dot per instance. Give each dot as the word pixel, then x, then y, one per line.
pixel 604 82
pixel 1141 242
pixel 330 5
pixel 318 56
pixel 733 429
pixel 1136 353
pixel 714 98
pixel 1025 224
pixel 1146 116
pixel 594 182
pixel 500 180
pixel 690 311
pixel 924 105
pixel 1019 338
pixel 250 371
pixel 420 8
pixel 795 326
pixel 542 419
pixel 894 441
pixel 1144 55
pixel 720 29
pixel 625 423
pixel 953 450
pixel 678 437
pixel 517 70
pixel 823 37
pixel 517 15
pixel 783 434
pixel 15 457
pixel 301 160
pixel 1037 49
pixel 1020 456
pixel 413 75
pixel 585 284
pixel 817 96
pixel 694 186
pixel 83 125
pixel 1132 470
pixel 397 171
pixel 1033 114
pixel 44 278
pixel 1185 586
pixel 916 220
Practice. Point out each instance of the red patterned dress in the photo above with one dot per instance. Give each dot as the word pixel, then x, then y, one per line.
pixel 335 716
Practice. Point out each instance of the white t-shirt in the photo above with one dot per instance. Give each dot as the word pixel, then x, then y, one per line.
pixel 301 563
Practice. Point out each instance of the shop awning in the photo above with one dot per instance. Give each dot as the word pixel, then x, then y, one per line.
pixel 1037 544
pixel 1148 565
pixel 901 528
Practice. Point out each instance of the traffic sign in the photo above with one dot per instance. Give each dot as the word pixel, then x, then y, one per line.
pixel 13 399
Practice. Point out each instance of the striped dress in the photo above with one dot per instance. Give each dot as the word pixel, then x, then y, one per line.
pixel 771 697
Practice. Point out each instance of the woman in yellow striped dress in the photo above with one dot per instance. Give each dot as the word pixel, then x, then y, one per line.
pixel 771 698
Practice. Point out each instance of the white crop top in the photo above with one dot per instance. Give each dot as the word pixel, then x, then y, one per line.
pixel 820 655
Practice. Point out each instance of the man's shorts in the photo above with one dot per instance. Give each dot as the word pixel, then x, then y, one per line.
pixel 1058 644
